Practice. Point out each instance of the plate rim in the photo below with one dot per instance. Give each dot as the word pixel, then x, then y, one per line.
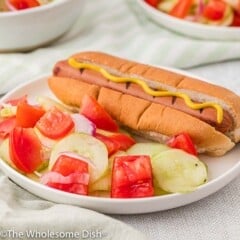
pixel 214 185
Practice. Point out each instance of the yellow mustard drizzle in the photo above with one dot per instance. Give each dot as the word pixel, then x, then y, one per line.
pixel 157 93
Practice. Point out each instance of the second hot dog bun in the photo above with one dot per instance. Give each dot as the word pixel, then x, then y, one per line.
pixel 157 118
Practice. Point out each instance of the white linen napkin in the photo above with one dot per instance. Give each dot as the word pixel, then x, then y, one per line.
pixel 25 216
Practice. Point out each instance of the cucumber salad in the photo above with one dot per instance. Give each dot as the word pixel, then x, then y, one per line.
pixel 86 152
pixel 16 5
pixel 209 12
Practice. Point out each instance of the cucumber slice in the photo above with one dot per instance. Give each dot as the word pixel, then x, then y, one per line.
pixel 102 194
pixel 4 151
pixel 104 183
pixel 177 171
pixel 93 150
pixel 157 190
pixel 47 103
pixel 150 149
pixel 167 5
pixel 45 141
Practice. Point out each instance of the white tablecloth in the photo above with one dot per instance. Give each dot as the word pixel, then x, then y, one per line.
pixel 110 26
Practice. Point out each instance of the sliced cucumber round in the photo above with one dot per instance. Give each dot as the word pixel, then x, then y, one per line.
pixel 177 171
pixel 4 151
pixel 93 151
pixel 157 190
pixel 102 184
pixel 47 103
pixel 150 149
pixel 45 141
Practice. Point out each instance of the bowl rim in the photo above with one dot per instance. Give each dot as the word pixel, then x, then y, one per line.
pixel 196 25
pixel 44 7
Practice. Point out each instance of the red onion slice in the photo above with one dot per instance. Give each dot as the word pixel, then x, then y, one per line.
pixel 10 6
pixel 83 125
pixel 200 8
pixel 54 177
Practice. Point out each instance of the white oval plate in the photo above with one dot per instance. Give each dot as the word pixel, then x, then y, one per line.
pixel 188 28
pixel 221 171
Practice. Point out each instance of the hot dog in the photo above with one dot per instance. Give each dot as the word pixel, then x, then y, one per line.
pixel 132 93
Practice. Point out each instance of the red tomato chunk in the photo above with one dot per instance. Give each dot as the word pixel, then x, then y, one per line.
pixel 112 146
pixel 92 110
pixel 23 4
pixel 55 124
pixel 27 115
pixel 68 174
pixel 116 142
pixel 184 142
pixel 153 3
pixel 215 10
pixel 25 149
pixel 132 177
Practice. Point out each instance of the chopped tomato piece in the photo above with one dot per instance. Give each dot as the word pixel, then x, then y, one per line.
pixel 214 10
pixel 6 126
pixel 125 141
pixel 132 177
pixel 68 174
pixel 55 124
pixel 153 3
pixel 92 110
pixel 116 141
pixel 112 146
pixel 25 149
pixel 27 115
pixel 181 9
pixel 23 4
pixel 236 20
pixel 183 141
pixel 67 165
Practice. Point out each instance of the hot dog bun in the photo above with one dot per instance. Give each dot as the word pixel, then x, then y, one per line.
pixel 144 115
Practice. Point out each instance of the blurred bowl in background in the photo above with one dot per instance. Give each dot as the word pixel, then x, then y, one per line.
pixel 28 29
pixel 190 29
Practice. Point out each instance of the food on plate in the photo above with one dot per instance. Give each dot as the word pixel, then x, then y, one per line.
pixel 91 150
pixel 121 129
pixel 139 181
pixel 182 174
pixel 152 102
pixel 15 5
pixel 86 152
pixel 209 12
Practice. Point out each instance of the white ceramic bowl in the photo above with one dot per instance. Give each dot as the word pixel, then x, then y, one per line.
pixel 188 28
pixel 31 28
